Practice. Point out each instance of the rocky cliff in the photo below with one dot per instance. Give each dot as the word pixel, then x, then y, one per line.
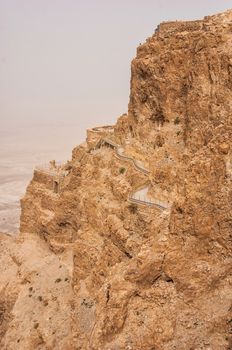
pixel 131 239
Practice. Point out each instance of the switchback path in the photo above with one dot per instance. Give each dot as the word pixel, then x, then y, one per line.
pixel 139 196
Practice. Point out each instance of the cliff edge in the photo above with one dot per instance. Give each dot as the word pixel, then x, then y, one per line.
pixel 140 218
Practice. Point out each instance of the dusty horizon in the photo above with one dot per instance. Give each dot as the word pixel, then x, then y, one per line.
pixel 69 61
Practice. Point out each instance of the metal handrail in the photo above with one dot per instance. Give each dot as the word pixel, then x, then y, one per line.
pixel 145 199
pixel 123 156
pixel 141 168
pixel 140 201
pixel 101 128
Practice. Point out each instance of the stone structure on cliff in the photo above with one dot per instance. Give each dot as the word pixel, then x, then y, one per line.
pixel 111 274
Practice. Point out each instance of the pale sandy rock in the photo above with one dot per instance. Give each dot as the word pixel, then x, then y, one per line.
pixel 36 295
pixel 142 277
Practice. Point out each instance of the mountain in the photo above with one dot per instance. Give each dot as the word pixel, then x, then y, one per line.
pixel 128 245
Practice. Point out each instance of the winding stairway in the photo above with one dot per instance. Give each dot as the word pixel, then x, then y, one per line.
pixel 140 195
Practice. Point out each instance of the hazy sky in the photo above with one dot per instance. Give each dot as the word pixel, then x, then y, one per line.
pixel 69 61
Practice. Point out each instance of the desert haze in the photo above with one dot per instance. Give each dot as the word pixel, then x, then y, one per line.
pixel 22 147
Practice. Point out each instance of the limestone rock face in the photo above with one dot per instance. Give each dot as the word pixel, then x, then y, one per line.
pixel 35 296
pixel 142 276
pixel 183 74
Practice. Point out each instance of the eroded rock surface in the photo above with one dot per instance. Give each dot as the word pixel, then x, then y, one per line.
pixel 35 296
pixel 138 277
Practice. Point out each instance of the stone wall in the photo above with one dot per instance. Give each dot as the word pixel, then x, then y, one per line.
pixel 172 27
pixel 95 134
pixel 44 178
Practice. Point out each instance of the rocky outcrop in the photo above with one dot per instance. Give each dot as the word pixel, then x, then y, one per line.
pixel 35 296
pixel 141 277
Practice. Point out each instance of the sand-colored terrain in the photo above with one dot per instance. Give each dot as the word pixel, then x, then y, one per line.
pixel 96 269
